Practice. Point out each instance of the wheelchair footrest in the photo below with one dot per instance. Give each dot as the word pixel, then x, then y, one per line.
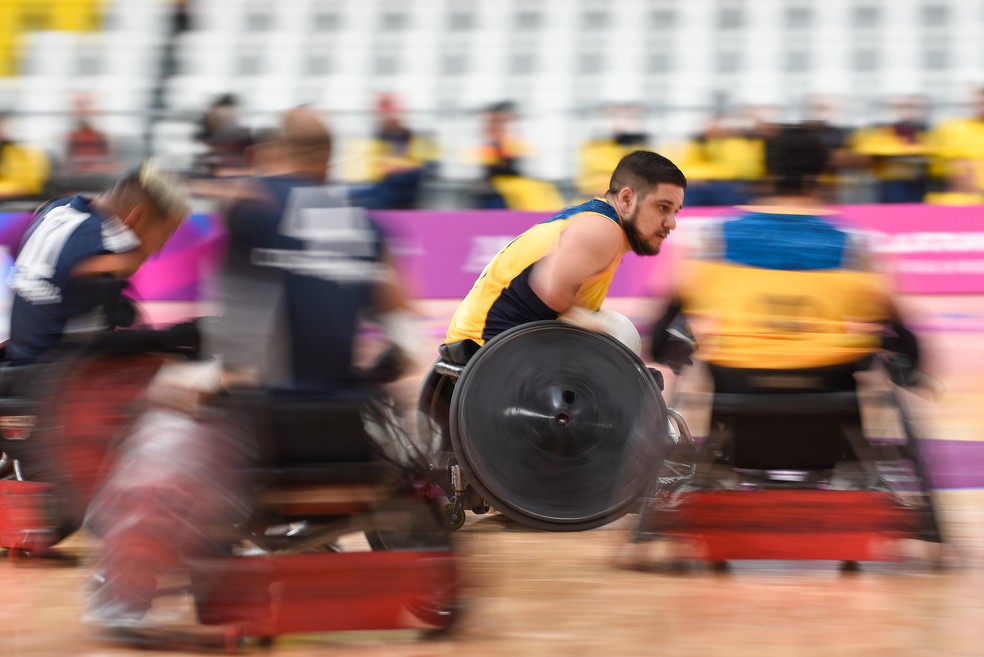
pixel 792 524
pixel 281 594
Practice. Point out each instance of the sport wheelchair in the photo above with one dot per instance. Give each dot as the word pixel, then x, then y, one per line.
pixel 336 533
pixel 563 429
pixel 339 526
pixel 791 469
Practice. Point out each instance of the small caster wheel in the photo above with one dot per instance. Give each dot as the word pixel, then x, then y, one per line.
pixel 454 516
pixel 481 509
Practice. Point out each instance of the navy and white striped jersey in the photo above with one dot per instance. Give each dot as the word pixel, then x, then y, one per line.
pixel 65 233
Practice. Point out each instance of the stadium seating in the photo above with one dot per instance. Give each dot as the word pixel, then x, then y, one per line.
pixel 560 60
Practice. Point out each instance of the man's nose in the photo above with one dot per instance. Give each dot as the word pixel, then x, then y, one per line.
pixel 670 222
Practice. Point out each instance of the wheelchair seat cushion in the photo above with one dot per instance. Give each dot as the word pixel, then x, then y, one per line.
pixel 310 439
pixel 788 431
pixel 817 379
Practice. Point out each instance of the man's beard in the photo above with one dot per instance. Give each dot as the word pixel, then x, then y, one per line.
pixel 639 246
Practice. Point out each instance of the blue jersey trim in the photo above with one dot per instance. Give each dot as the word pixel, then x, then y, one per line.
pixel 594 205
pixel 784 242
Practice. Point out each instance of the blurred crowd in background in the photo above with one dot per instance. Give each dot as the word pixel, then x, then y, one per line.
pixel 904 148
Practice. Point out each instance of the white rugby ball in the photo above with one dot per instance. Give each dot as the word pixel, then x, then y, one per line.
pixel 614 324
pixel 621 328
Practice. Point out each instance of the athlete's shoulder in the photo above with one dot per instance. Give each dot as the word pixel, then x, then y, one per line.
pixel 51 204
pixel 593 233
pixel 594 207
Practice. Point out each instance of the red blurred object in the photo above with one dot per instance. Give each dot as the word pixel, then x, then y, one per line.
pixel 792 524
pixel 281 594
pixel 24 525
pixel 89 413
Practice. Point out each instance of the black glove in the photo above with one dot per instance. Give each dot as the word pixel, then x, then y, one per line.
pixel 123 313
pixel 184 338
pixel 181 338
pixel 83 294
pixel 902 370
pixel 676 348
pixel 387 367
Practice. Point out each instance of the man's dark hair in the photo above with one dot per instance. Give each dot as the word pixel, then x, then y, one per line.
pixel 795 157
pixel 644 170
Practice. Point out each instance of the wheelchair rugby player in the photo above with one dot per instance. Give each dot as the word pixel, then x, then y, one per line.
pixel 555 424
pixel 787 307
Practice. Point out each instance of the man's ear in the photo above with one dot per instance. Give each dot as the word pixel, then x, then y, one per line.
pixel 133 217
pixel 627 199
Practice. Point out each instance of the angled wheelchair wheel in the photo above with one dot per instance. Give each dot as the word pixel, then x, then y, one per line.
pixel 559 428
pixel 86 405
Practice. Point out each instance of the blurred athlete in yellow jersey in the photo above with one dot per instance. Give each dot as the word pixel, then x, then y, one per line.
pixel 784 296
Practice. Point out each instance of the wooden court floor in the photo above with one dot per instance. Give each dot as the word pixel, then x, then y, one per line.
pixel 549 594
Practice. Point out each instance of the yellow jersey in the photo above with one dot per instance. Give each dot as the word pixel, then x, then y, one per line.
pixel 501 298
pixel 784 291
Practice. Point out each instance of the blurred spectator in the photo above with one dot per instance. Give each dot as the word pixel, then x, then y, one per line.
pixel 501 151
pixel 959 139
pixel 722 160
pixel 264 156
pixel 898 151
pixel 87 150
pixel 398 159
pixel 225 138
pixel 819 118
pixel 784 288
pixel 24 170
pixel 599 157
pixel 503 185
pixel 393 135
pixel 963 186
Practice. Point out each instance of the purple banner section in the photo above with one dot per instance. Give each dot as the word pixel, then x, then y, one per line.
pixel 929 249
pixel 954 463
pixel 925 249
pixel 443 253
pixel 182 268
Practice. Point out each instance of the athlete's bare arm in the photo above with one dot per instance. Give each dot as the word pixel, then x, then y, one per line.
pixel 584 249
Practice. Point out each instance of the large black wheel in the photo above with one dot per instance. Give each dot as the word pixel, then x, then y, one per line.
pixel 559 428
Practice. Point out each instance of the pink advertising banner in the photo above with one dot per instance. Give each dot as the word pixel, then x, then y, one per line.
pixel 926 249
